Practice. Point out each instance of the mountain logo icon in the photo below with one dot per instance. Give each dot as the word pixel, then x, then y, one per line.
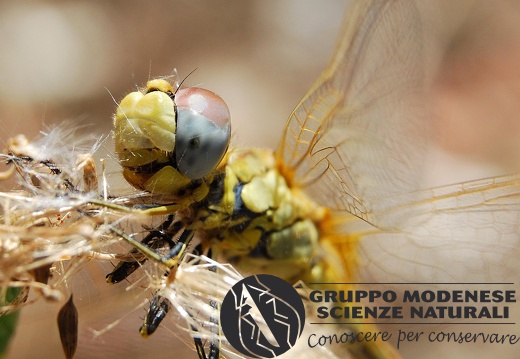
pixel 262 316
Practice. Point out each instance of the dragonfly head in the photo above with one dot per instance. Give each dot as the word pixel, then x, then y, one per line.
pixel 165 137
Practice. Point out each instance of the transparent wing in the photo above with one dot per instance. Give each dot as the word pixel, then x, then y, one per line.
pixel 466 235
pixel 467 232
pixel 358 140
pixel 361 132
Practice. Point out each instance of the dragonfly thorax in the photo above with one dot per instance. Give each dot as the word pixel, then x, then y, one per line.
pixel 252 218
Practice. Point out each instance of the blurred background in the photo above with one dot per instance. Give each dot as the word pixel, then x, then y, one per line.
pixel 72 60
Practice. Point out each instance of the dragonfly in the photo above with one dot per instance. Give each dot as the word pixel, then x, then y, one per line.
pixel 341 198
pixel 341 191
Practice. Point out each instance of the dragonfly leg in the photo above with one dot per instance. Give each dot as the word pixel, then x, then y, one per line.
pixel 199 346
pixel 159 307
pixel 163 233
pixel 181 245
pixel 214 347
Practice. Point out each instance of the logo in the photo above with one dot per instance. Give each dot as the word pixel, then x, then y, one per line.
pixel 262 316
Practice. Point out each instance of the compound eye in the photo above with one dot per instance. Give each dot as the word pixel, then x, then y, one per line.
pixel 203 131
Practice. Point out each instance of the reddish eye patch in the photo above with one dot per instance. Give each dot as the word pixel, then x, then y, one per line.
pixel 204 102
pixel 203 131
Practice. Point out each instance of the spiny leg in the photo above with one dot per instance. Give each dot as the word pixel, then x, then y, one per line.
pixel 164 233
pixel 199 346
pixel 159 307
pixel 214 346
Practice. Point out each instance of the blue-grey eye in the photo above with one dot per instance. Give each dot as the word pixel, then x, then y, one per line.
pixel 203 131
